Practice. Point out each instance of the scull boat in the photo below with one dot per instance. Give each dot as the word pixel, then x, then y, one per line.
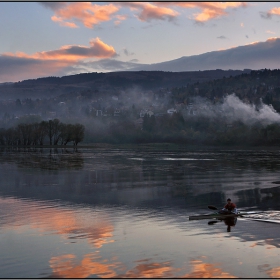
pixel 217 215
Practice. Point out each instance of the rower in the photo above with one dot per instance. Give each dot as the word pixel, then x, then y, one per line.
pixel 230 207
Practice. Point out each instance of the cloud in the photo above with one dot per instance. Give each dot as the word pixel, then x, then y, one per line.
pixel 87 13
pixel 53 5
pixel 166 10
pixel 120 18
pixel 97 49
pixel 18 66
pixel 90 15
pixel 222 37
pixel 108 65
pixel 64 23
pixel 127 53
pixel 146 11
pixel 270 32
pixel 275 11
pixel 210 10
pixel 268 15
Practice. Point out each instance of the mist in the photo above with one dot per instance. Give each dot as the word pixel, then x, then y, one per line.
pixel 232 109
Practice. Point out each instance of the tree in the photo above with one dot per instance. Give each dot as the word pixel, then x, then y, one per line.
pixel 57 126
pixel 53 131
pixel 149 123
pixel 78 131
pixel 66 133
pixel 42 132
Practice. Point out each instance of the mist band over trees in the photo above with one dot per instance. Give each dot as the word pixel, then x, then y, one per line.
pixel 207 109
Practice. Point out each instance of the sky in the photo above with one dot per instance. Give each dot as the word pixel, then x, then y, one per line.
pixel 41 39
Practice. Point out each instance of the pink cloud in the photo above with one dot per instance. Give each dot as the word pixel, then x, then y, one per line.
pixel 210 10
pixel 120 18
pixel 148 11
pixel 90 14
pixel 63 23
pixel 85 12
pixel 97 49
pixel 18 66
pixel 275 11
pixel 166 10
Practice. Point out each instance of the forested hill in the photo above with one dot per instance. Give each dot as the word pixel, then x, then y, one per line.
pixel 53 86
pixel 249 87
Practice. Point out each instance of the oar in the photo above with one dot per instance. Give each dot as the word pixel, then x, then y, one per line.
pixel 212 222
pixel 212 207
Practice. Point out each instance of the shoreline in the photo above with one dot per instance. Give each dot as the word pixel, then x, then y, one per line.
pixel 146 146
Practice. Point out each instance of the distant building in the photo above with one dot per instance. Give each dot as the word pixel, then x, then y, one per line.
pixel 117 113
pixel 99 113
pixel 51 114
pixel 139 123
pixel 171 111
pixel 146 112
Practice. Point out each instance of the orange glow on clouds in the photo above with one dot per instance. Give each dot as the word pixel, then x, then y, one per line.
pixel 62 23
pixel 150 11
pixel 97 49
pixel 210 10
pixel 275 11
pixel 23 66
pixel 274 272
pixel 90 14
pixel 85 12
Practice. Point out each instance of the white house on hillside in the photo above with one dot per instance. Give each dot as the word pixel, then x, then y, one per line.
pixel 171 111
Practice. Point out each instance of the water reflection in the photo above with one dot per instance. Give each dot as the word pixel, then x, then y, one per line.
pixel 53 219
pixel 66 266
pixel 43 158
pixel 123 213
pixel 208 178
pixel 229 222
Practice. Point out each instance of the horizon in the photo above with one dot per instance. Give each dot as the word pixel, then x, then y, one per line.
pixel 62 39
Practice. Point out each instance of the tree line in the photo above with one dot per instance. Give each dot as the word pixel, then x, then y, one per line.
pixel 52 132
pixel 191 130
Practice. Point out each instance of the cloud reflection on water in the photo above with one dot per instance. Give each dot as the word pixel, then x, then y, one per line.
pixel 64 266
pixel 49 219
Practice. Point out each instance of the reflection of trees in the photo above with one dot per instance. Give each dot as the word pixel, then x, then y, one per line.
pixel 52 159
pixel 141 177
pixel 267 198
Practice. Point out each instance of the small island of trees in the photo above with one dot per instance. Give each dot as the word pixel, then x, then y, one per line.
pixel 52 132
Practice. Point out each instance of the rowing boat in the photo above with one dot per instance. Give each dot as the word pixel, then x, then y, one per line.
pixel 217 215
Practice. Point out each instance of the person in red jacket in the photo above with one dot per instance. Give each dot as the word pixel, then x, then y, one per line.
pixel 231 207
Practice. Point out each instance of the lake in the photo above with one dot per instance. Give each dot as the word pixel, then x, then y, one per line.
pixel 115 211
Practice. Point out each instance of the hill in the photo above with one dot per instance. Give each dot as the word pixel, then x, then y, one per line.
pixel 108 82
pixel 258 55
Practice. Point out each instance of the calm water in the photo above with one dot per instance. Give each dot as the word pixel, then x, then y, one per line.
pixel 115 212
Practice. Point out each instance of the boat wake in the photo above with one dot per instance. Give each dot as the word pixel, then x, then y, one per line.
pixel 265 216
